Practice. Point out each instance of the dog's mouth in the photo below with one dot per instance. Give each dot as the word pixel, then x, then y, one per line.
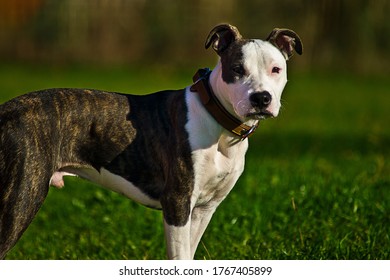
pixel 262 115
pixel 250 112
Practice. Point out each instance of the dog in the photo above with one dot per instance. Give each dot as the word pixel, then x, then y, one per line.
pixel 180 151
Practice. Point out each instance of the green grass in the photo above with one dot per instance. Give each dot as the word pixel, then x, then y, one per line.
pixel 316 183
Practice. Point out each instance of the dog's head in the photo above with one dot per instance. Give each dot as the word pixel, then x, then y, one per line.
pixel 251 74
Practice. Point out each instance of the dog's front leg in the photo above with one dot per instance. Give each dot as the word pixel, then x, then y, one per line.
pixel 177 224
pixel 178 241
pixel 200 218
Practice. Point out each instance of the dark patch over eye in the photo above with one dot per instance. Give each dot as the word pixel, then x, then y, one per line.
pixel 276 70
pixel 238 69
pixel 232 62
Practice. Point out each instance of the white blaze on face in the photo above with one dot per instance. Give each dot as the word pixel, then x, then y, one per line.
pixel 265 69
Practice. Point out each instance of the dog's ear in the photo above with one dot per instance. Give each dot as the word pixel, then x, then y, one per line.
pixel 286 41
pixel 221 37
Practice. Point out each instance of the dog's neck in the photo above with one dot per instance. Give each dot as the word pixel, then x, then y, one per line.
pixel 218 106
pixel 221 89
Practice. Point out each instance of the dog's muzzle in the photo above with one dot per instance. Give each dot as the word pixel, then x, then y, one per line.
pixel 260 102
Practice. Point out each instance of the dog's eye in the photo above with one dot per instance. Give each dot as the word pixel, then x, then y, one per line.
pixel 276 70
pixel 238 69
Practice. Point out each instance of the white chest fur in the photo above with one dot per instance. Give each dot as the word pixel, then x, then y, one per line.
pixel 216 171
pixel 218 156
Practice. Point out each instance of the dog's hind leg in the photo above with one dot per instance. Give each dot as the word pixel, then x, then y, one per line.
pixel 21 196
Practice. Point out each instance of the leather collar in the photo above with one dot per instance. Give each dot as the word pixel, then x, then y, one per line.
pixel 215 108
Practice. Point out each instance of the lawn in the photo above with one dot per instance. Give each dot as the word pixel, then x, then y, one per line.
pixel 316 183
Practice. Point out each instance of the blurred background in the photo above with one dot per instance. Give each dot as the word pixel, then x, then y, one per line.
pixel 317 178
pixel 338 35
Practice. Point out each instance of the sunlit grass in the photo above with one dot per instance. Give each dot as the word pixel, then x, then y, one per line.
pixel 316 183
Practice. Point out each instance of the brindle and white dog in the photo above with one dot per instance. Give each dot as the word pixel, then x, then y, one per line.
pixel 181 151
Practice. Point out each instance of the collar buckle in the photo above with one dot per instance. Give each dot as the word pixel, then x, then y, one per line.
pixel 248 132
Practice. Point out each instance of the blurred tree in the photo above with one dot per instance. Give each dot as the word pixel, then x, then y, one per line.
pixel 16 12
pixel 338 34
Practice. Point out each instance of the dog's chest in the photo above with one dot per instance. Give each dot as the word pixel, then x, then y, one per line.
pixel 217 156
pixel 217 169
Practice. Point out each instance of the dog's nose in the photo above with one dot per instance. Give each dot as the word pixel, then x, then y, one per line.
pixel 260 99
